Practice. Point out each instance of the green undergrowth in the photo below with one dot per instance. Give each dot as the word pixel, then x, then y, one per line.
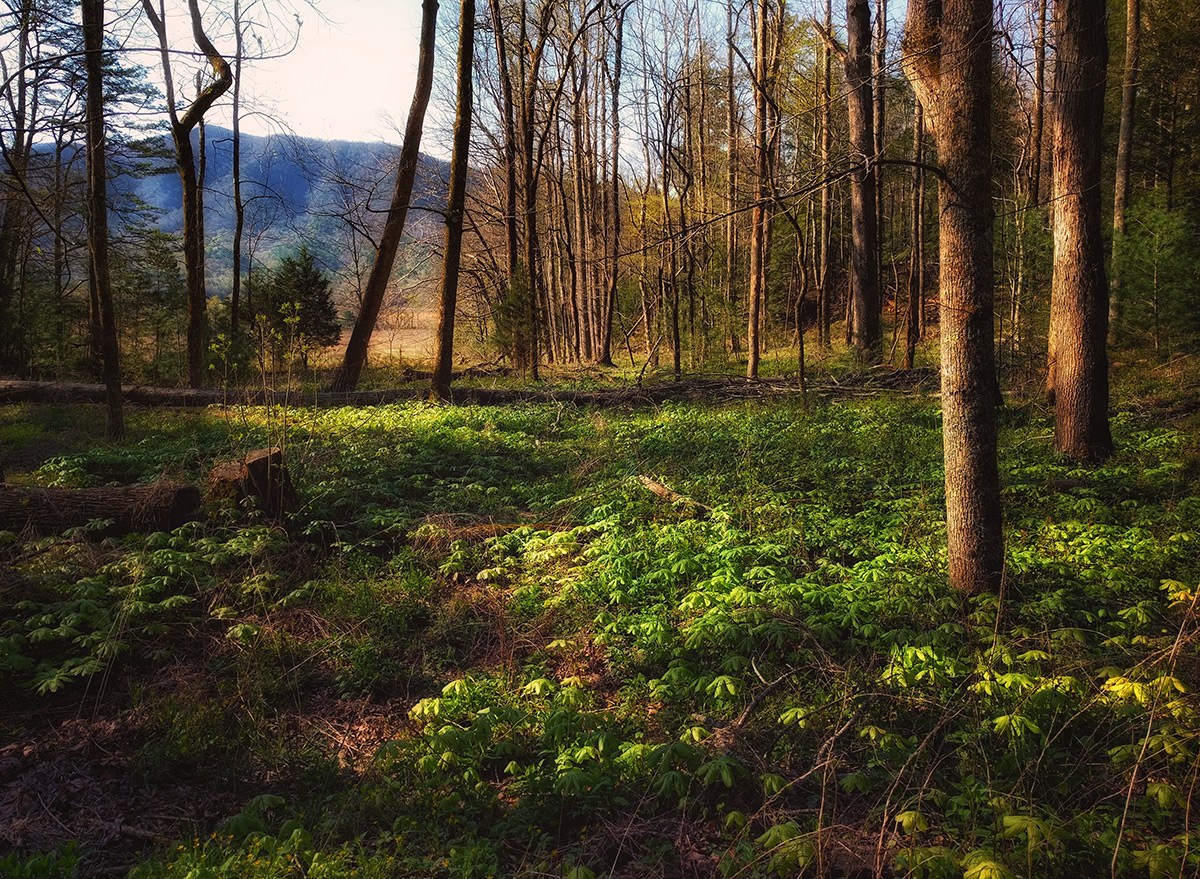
pixel 581 679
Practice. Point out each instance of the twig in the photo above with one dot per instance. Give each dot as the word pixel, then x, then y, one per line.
pixel 134 832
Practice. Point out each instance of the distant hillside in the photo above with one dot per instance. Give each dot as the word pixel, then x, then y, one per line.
pixel 296 188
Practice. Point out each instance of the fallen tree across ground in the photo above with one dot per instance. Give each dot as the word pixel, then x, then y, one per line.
pixel 711 387
pixel 162 506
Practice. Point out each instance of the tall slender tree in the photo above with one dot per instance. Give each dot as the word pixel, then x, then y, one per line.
pixel 862 307
pixel 1129 87
pixel 185 161
pixel 97 175
pixel 1079 293
pixel 443 359
pixel 760 256
pixel 355 357
pixel 914 323
pixel 824 239
pixel 866 333
pixel 947 58
pixel 732 123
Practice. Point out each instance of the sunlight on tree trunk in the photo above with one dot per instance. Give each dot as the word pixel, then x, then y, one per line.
pixel 443 361
pixel 947 57
pixel 1079 297
pixel 1129 85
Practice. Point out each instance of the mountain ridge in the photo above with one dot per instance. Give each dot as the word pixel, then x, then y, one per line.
pixel 297 190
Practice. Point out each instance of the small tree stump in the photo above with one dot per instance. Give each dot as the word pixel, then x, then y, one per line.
pixel 261 475
pixel 162 506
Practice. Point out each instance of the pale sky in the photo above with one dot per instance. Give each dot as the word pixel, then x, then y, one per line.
pixel 349 74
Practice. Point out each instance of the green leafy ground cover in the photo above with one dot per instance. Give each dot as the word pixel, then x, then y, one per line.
pixel 479 647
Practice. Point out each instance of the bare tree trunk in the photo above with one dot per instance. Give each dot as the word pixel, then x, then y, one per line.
pixel 1039 105
pixel 880 77
pixel 865 334
pixel 758 234
pixel 93 36
pixel 21 123
pixel 824 305
pixel 443 361
pixel 947 57
pixel 239 206
pixel 731 242
pixel 583 252
pixel 605 352
pixel 1079 297
pixel 511 247
pixel 1129 84
pixel 916 269
pixel 181 134
pixel 381 270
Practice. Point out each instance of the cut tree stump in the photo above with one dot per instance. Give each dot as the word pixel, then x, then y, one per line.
pixel 162 506
pixel 261 475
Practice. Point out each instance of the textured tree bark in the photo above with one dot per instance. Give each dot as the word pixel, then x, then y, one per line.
pixel 159 507
pixel 97 177
pixel 947 57
pixel 185 160
pixel 1129 84
pixel 864 279
pixel 440 385
pixel 406 172
pixel 916 268
pixel 1079 295
pixel 260 475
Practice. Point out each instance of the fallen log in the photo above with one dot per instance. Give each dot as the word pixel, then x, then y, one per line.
pixel 675 497
pixel 162 506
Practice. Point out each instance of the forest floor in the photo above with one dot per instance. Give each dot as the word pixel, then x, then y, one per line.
pixel 478 646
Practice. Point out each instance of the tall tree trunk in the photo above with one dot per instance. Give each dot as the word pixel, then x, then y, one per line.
pixel 530 68
pixel 916 268
pixel 1079 293
pixel 880 77
pixel 583 250
pixel 406 172
pixel 1129 84
pixel 605 352
pixel 443 361
pixel 731 242
pixel 758 222
pixel 511 247
pixel 185 160
pixel 12 208
pixel 1039 105
pixel 864 280
pixel 824 305
pixel 239 206
pixel 93 38
pixel 947 57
